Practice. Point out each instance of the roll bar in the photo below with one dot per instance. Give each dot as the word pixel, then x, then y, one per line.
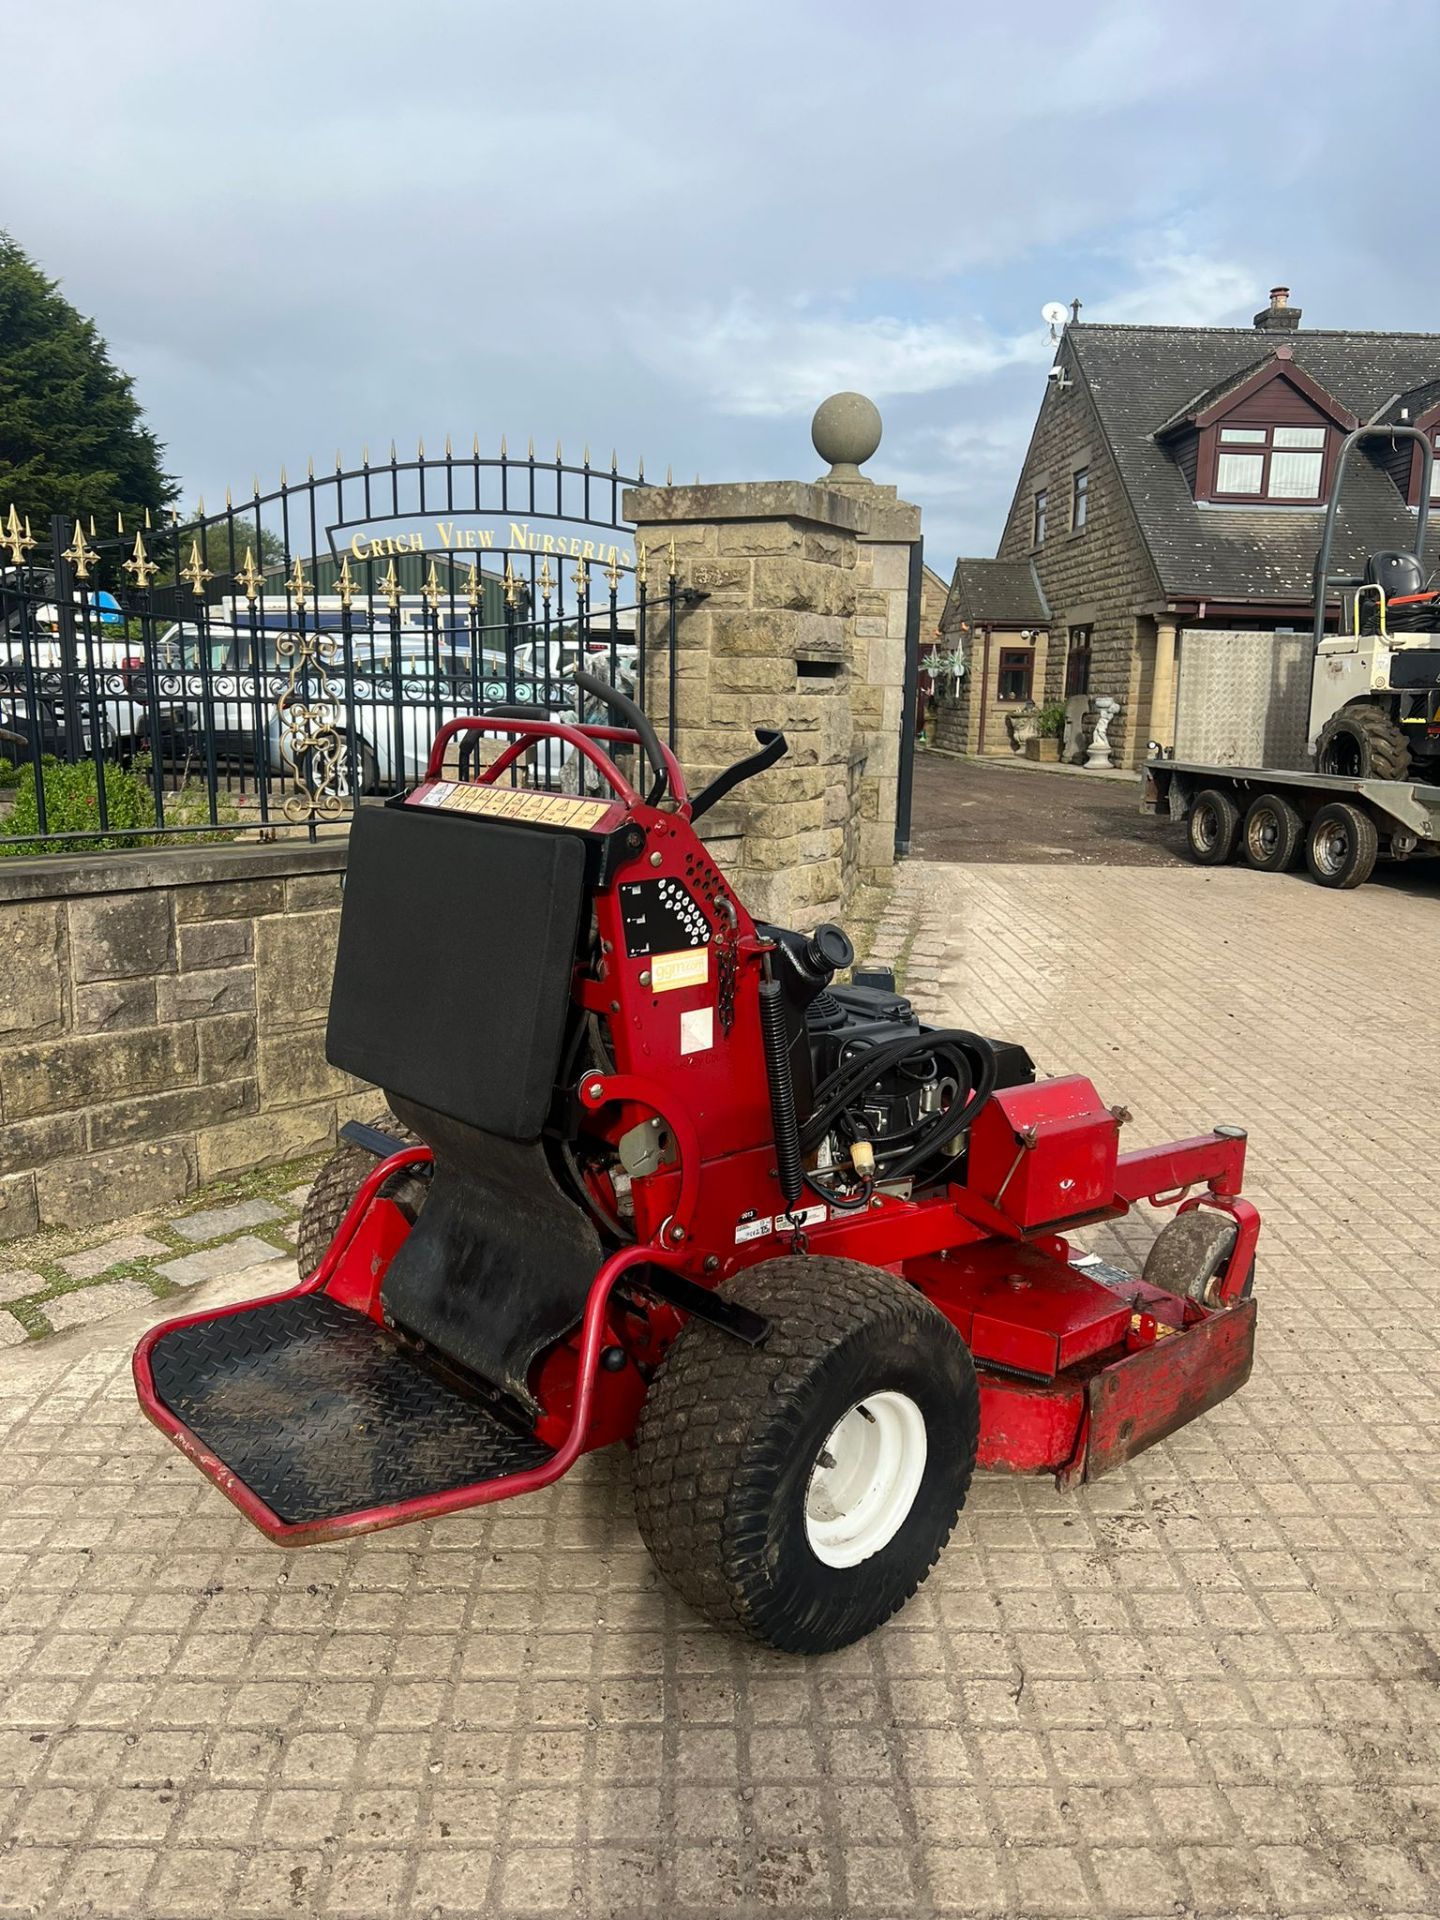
pixel 585 740
pixel 1322 576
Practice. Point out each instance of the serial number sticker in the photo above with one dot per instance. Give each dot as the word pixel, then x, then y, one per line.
pixel 780 1223
pixel 697 1030
pixel 684 969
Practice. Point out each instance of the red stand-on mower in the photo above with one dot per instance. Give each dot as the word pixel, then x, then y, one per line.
pixel 653 1176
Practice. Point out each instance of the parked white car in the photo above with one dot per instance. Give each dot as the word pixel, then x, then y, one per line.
pixel 399 690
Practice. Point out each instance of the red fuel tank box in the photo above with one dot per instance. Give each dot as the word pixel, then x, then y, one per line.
pixel 1045 1152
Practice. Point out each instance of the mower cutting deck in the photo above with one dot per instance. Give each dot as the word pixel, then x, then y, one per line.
pixel 650 1173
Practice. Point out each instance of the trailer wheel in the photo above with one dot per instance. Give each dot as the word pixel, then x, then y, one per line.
pixel 1362 742
pixel 1191 1252
pixel 1213 827
pixel 802 1490
pixel 1273 834
pixel 1342 846
pixel 336 1185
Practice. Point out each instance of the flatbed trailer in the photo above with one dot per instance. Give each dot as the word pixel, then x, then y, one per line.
pixel 1274 820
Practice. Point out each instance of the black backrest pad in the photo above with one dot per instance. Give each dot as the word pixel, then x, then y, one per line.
pixel 452 979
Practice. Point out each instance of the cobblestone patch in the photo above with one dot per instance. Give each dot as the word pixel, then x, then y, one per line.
pixel 1205 1686
pixel 213 1222
pixel 111 1253
pixel 158 1253
pixel 88 1304
pixel 213 1263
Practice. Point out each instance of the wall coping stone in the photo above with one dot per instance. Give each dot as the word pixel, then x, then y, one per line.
pixel 889 517
pixel 746 500
pixel 132 870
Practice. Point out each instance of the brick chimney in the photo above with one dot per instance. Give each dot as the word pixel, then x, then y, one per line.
pixel 1279 316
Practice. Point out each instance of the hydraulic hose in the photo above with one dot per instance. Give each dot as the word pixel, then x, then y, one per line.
pixel 782 1091
pixel 973 1059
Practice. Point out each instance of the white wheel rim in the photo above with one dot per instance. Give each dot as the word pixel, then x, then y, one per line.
pixel 865 1479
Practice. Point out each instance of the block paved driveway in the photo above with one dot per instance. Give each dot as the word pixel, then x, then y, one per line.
pixel 1207 1685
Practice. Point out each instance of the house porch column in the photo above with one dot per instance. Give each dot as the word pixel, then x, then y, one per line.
pixel 1163 685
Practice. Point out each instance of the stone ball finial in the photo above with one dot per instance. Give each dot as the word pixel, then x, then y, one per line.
pixel 846 431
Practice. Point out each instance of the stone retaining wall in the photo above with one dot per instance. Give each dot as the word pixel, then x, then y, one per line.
pixel 162 1020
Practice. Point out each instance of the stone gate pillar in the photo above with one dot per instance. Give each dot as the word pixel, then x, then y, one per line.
pixel 793 614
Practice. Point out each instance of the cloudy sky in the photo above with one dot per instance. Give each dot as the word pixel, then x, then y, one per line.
pixel 674 228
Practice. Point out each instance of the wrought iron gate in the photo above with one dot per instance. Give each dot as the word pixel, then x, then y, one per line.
pixel 264 666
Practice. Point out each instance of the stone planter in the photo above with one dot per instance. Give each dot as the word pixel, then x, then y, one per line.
pixel 1043 746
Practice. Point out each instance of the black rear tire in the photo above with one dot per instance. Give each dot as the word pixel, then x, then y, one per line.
pixel 1212 828
pixel 1362 742
pixel 731 1492
pixel 1342 846
pixel 336 1185
pixel 1273 834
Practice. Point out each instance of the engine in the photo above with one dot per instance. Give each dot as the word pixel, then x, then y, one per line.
pixel 879 1096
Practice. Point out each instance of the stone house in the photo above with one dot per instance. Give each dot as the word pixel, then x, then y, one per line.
pixel 995 617
pixel 1176 482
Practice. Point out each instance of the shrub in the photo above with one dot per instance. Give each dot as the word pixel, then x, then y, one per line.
pixel 71 806
pixel 1052 720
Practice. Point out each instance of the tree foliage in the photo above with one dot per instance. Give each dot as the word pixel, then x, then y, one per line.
pixel 72 435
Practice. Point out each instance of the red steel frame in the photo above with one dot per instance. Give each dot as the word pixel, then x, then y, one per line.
pixel 1127 1363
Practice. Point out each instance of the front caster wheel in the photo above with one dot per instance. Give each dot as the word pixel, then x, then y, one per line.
pixel 802 1490
pixel 1190 1254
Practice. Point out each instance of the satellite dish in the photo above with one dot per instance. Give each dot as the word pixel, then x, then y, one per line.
pixel 1054 314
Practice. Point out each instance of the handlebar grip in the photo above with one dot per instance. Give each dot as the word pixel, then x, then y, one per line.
pixel 773 747
pixel 636 717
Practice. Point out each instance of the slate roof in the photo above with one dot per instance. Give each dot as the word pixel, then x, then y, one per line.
pixel 1414 403
pixel 998 593
pixel 1143 378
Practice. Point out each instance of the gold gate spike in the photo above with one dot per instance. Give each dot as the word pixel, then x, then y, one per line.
pixel 642 562
pixel 17 538
pixel 297 585
pixel 250 579
pixel 512 585
pixel 672 556
pixel 197 573
pixel 140 566
pixel 78 554
pixel 431 591
pixel 391 588
pixel 474 586
pixel 547 582
pixel 581 577
pixel 612 571
pixel 345 584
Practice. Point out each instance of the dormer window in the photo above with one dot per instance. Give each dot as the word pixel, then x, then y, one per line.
pixel 1267 436
pixel 1270 463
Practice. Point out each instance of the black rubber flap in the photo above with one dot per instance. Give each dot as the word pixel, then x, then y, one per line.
pixel 321 1412
pixel 452 979
pixel 499 1264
